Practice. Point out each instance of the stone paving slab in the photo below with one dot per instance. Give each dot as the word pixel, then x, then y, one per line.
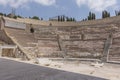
pixel 12 70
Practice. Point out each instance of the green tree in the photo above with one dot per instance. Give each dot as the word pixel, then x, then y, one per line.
pixel 5 15
pixel 58 18
pixel 74 19
pixel 15 17
pixel 67 19
pixel 63 18
pixel 1 14
pixel 117 13
pixel 105 14
pixel 91 16
pixel 19 16
pixel 35 17
pixel 41 19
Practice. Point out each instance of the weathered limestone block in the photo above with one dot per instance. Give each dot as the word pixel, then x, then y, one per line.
pixel 72 47
pixel 53 54
pixel 115 51
pixel 70 30
pixel 7 52
pixel 31 44
pixel 116 43
pixel 83 54
pixel 48 49
pixel 85 44
pixel 48 45
pixel 78 54
pixel 99 29
pixel 45 30
pixel 45 37
pixel 45 33
pixel 70 37
pixel 116 35
pixel 116 40
pixel 63 30
pixel 76 48
pixel 13 24
pixel 96 36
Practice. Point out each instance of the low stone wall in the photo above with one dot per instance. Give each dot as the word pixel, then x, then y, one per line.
pixel 14 24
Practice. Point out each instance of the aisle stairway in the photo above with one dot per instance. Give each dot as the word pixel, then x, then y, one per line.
pixel 23 40
pixel 114 52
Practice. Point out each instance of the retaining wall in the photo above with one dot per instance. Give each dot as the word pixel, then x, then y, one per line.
pixel 14 24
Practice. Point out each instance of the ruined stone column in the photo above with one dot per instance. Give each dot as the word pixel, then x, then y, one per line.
pixel 107 46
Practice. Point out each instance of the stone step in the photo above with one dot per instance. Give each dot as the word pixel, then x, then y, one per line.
pixel 38 36
pixel 114 58
pixel 114 55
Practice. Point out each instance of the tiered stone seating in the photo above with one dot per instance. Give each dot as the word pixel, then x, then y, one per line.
pixel 113 58
pixel 114 53
pixel 71 39
pixel 23 38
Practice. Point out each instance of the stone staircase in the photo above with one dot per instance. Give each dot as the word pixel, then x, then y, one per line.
pixel 7 45
pixel 24 39
pixel 23 42
pixel 114 52
pixel 114 58
pixel 48 45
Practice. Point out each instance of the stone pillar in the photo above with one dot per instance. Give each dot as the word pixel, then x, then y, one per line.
pixel 2 23
pixel 107 46
pixel 28 27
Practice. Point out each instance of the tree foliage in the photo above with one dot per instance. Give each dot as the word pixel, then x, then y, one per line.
pixel 15 17
pixel 117 12
pixel 64 18
pixel 19 16
pixel 91 16
pixel 1 14
pixel 105 14
pixel 35 17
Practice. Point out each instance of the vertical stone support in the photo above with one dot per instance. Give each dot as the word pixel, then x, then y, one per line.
pixel 107 46
pixel 61 47
pixel 28 26
pixel 2 23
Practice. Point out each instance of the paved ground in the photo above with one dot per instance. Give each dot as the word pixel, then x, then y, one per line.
pixel 12 70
